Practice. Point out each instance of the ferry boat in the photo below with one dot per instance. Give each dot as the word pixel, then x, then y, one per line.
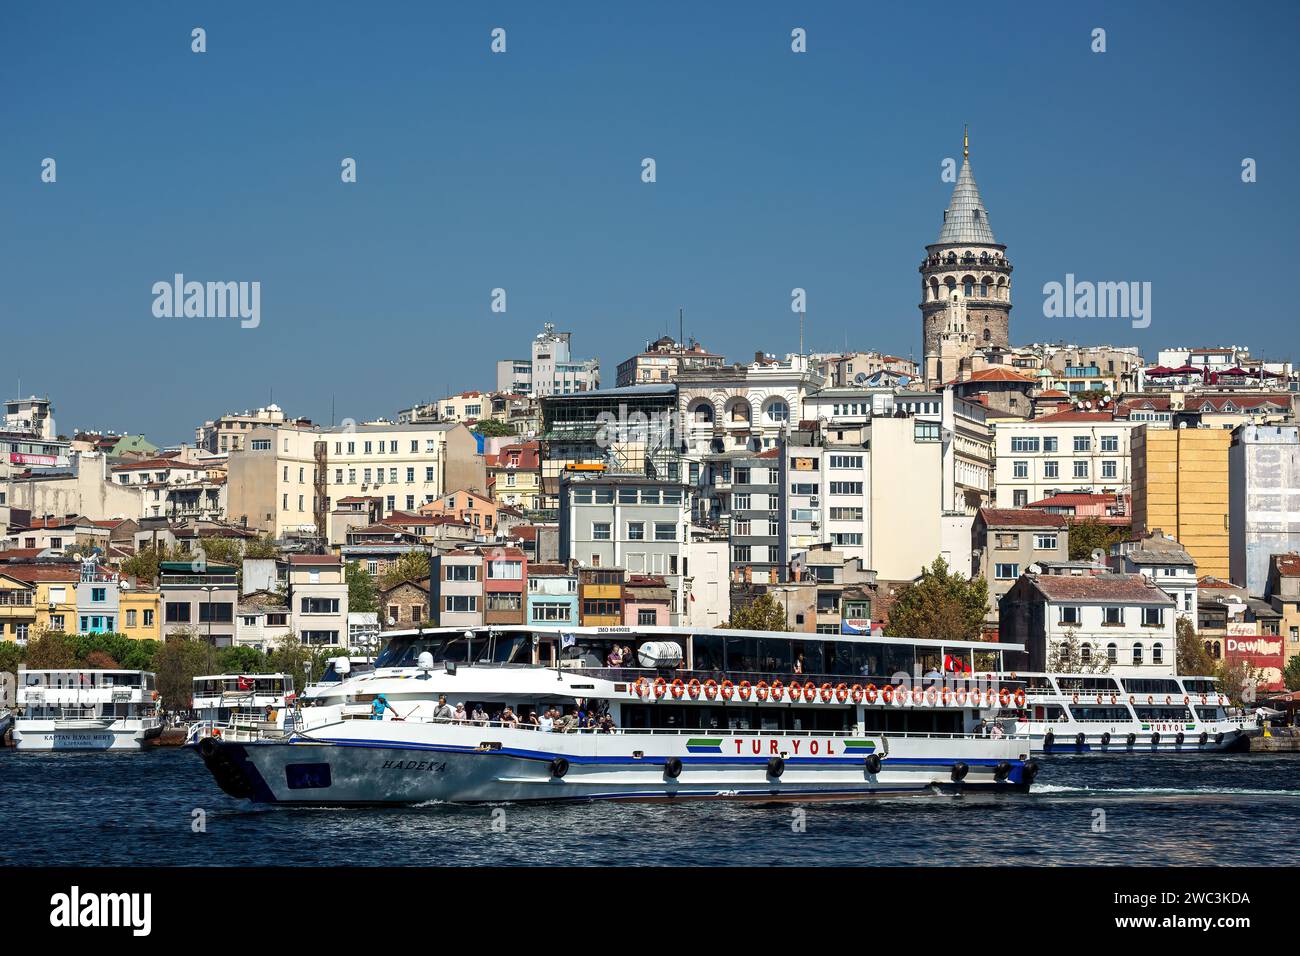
pixel 706 714
pixel 1122 714
pixel 336 670
pixel 237 698
pixel 85 710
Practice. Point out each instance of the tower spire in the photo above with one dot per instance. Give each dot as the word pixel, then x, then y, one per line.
pixel 965 142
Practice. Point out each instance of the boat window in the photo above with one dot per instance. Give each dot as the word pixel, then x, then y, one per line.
pixel 1210 713
pixel 1111 714
pixel 1162 713
pixel 1200 685
pixel 722 719
pixel 1039 683
pixel 1150 685
pixel 708 650
pixel 880 720
pixel 1087 685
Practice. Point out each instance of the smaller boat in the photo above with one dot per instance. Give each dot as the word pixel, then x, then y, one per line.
pixel 86 710
pixel 240 699
pixel 1126 714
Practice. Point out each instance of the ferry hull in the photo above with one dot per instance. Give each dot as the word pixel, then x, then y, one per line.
pixel 360 771
pixel 1066 741
pixel 51 735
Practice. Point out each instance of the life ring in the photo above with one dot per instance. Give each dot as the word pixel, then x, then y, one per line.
pixel 660 686
pixel 1020 697
pixel 155 695
pixel 1099 698
pixel 961 696
pixel 886 695
pixel 795 692
pixel 1168 700
pixel 710 688
pixel 693 688
pixel 1203 699
pixel 726 689
pixel 777 690
pixel 1132 699
pixel 1114 698
pixel 678 688
pixel 918 696
pixel 901 696
pixel 842 692
pixel 760 690
pixel 931 696
pixel 856 693
pixel 946 696
pixel 216 732
pixel 1150 699
pixel 640 686
pixel 1004 697
pixel 743 690
pixel 809 691
pixel 1074 699
pixel 1186 700
pixel 827 692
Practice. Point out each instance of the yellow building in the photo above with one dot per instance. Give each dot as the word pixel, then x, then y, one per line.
pixel 17 608
pixel 139 613
pixel 54 598
pixel 1180 485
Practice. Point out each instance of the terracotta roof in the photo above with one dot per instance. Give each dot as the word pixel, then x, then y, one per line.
pixel 315 560
pixel 32 573
pixel 1021 518
pixel 21 554
pixel 153 463
pixel 995 374
pixel 1068 498
pixel 549 569
pixel 1052 393
pixel 1288 565
pixel 1127 588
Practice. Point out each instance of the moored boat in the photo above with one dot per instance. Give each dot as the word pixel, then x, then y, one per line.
pixel 85 710
pixel 218 699
pixel 523 714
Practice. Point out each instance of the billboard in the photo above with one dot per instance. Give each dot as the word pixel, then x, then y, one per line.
pixel 22 458
pixel 1262 652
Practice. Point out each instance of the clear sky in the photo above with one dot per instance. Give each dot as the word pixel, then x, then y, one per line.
pixel 523 171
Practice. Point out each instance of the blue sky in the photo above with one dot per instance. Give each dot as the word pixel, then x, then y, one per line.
pixel 522 171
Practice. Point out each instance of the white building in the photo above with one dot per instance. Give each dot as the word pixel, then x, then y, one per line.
pixel 550 369
pixel 744 407
pixel 318 599
pixel 1074 451
pixel 1165 563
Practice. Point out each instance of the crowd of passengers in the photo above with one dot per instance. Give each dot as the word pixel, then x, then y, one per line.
pixel 593 716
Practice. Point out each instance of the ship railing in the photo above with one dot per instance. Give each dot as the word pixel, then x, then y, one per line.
pixel 953 682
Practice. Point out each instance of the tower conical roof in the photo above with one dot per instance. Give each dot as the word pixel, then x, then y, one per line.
pixel 966 219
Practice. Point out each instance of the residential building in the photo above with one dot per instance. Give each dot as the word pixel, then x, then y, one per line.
pixel 743 407
pixel 1071 452
pixel 705 575
pixel 1077 506
pixel 17 608
pixel 600 596
pixel 1123 616
pixel 515 475
pixel 550 369
pixel 663 359
pixel 647 601
pixel 742 494
pixel 1263 500
pixel 1165 563
pixel 98 606
pixel 1005 392
pixel 230 432
pixel 552 595
pixel 1008 542
pixel 29 416
pixel 504 585
pixel 263 619
pixel 456 592
pixel 318 599
pixel 1284 594
pixel 470 507
pixel 404 605
pixel 199 599
pixel 1180 485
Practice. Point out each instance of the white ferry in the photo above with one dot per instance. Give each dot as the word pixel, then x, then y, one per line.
pixel 336 670
pixel 85 710
pixel 1119 714
pixel 698 714
pixel 237 698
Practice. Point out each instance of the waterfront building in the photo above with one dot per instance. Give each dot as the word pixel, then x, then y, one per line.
pixel 1263 500
pixel 1007 542
pixel 1180 485
pixel 456 592
pixel 199 599
pixel 318 599
pixel 1068 452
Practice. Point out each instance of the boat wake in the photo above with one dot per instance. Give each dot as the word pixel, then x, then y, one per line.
pixel 1048 789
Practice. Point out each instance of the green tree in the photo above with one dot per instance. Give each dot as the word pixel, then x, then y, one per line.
pixel 1067 657
pixel 1193 659
pixel 223 550
pixel 180 659
pixel 940 605
pixel 288 657
pixel 143 565
pixel 1090 534
pixel 240 660
pixel 50 650
pixel 362 594
pixel 491 428
pixel 412 566
pixel 263 547
pixel 11 658
pixel 1290 674
pixel 1239 680
pixel 764 613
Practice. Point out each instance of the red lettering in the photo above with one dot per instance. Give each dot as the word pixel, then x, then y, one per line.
pixel 773 743
pixel 796 745
pixel 812 747
pixel 830 749
pixel 737 745
pixel 758 746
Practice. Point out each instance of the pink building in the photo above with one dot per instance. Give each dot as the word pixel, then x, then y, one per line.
pixel 647 601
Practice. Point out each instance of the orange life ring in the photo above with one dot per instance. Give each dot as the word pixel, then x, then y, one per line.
pixel 710 688
pixel 795 692
pixel 777 689
pixel 1004 697
pixel 959 696
pixel 760 690
pixel 1074 699
pixel 743 690
pixel 678 688
pixel 809 691
pixel 727 689
pixel 918 695
pixel 660 686
pixel 1202 698
pixel 1168 700
pixel 1150 699
pixel 887 694
pixel 155 695
pixel 931 696
pixel 693 688
pixel 946 696
pixel 640 686
pixel 841 692
pixel 1099 698
pixel 1020 697
pixel 216 731
pixel 1186 700
pixel 1132 699
pixel 856 694
pixel 827 692
pixel 901 695
pixel 1114 698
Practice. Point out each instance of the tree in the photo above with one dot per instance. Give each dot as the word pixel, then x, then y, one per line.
pixel 1067 657
pixel 240 660
pixel 940 605
pixel 491 428
pixel 11 658
pixel 1091 535
pixel 99 661
pixel 412 566
pixel 1193 659
pixel 222 550
pixel 180 659
pixel 287 657
pixel 1291 673
pixel 51 650
pixel 764 613
pixel 263 548
pixel 1239 680
pixel 362 594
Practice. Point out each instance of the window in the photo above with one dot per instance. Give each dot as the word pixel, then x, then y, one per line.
pixel 1051 469
pixel 461 603
pixel 778 410
pixel 1137 654
pixel 846 461
pixel 1024 445
pixel 1020 469
pixel 1070 615
pixel 600 531
pixel 1112 653
pixel 97 595
pixel 925 431
pixel 846 488
pixel 646 616
pixel 148 618
pixel 1110 443
pixel 1080 468
pixel 177 612
pixel 1006 540
pixel 1049 445
pixel 1153 617
pixel 1045 542
pixel 1082 443
pixel 1112 616
pixel 636 531
pixel 551 611
pixel 131 615
pixel 461 572
pixel 320 637
pixel 1157 653
pixel 1006 572
pixel 214 613
pixel 665 531
pixel 1110 469
pixel 315 605
pixel 428 474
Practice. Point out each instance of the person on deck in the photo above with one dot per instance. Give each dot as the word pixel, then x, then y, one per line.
pixel 443 711
pixel 378 706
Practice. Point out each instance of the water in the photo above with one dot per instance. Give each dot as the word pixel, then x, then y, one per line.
pixel 124 809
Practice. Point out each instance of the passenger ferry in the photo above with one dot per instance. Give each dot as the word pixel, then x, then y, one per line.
pixel 85 710
pixel 336 670
pixel 1116 713
pixel 237 698
pixel 659 713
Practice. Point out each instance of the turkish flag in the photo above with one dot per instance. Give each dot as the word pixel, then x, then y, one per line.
pixel 244 684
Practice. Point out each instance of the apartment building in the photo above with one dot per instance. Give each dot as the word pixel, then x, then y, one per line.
pixel 663 359
pixel 98 605
pixel 550 368
pixel 318 599
pixel 456 591
pixel 1263 500
pixel 744 407
pixel 140 612
pixel 199 598
pixel 1165 563
pixel 742 495
pixel 552 595
pixel 504 585
pixel 1007 542
pixel 515 475
pixel 1071 451
pixel 230 432
pixel 600 596
pixel 1181 486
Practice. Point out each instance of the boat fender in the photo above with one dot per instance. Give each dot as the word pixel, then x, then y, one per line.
pixel 873 763
pixel 1029 772
pixel 775 767
pixel 1078 740
pixel 673 767
pixel 1001 771
pixel 1105 739
pixel 559 767
pixel 207 746
pixel 1155 738
pixel 1218 738
pixel 959 771
pixel 1204 737
pixel 1132 739
pixel 1049 739
pixel 1179 739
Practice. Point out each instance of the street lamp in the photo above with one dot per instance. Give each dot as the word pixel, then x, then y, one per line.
pixel 209 588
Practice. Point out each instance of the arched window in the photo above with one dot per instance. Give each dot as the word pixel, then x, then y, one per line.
pixel 1112 653
pixel 740 411
pixel 1085 653
pixel 1137 654
pixel 988 336
pixel 984 288
pixel 702 413
pixel 1157 653
pixel 968 287
pixel 778 410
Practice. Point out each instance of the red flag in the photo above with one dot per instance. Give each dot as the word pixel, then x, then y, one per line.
pixel 244 683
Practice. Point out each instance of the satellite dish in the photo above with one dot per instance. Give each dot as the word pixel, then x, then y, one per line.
pixel 425 662
pixel 342 666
